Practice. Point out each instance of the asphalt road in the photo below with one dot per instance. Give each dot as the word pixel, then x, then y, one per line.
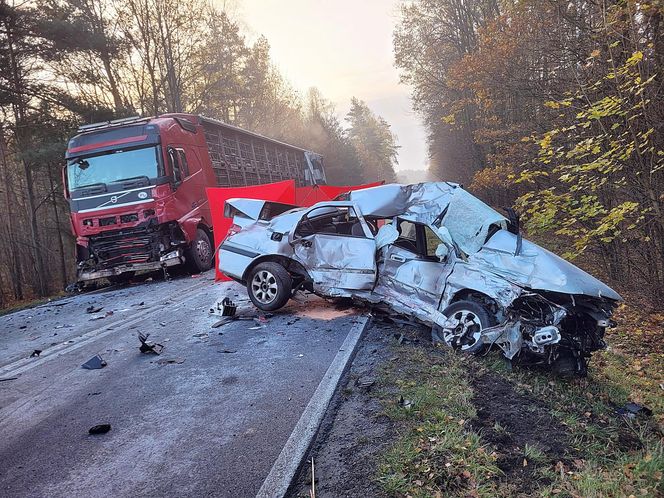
pixel 209 424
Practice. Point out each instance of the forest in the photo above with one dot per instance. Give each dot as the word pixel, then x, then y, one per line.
pixel 64 63
pixel 554 107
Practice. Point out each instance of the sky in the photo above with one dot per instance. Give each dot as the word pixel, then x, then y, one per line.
pixel 344 48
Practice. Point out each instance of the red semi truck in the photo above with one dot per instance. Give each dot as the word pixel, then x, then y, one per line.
pixel 136 188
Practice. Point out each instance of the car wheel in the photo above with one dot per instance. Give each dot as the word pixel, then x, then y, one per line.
pixel 199 253
pixel 463 328
pixel 269 286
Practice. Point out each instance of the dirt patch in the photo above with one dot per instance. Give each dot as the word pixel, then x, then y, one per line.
pixel 520 428
pixel 354 431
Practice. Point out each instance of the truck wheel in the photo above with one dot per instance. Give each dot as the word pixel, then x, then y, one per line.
pixel 269 286
pixel 463 329
pixel 198 255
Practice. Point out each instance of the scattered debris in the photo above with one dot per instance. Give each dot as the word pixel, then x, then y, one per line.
pixel 8 378
pixel 97 317
pixel 22 327
pixel 93 309
pixel 109 313
pixel 94 363
pixel 142 303
pixel 147 347
pixel 100 429
pixel 405 403
pixel 228 351
pixel 633 410
pixel 94 393
pixel 170 361
pixel 163 324
pixel 35 353
pixel 228 307
pixel 365 382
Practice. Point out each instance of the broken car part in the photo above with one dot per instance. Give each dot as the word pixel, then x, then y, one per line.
pixel 94 363
pixel 147 347
pixel 225 307
pixel 100 429
pixel 430 251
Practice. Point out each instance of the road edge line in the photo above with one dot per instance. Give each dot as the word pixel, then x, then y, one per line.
pixel 283 470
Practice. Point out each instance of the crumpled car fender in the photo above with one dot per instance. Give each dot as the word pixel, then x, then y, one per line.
pixel 468 277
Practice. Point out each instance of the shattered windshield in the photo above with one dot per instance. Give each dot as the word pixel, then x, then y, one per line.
pixel 469 220
pixel 113 166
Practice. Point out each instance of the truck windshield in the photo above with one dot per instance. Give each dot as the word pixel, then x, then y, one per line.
pixel 113 166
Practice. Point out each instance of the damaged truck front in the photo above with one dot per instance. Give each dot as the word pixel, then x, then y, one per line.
pixel 431 251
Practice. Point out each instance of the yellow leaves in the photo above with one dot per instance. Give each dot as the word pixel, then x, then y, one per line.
pixel 635 58
pixel 450 119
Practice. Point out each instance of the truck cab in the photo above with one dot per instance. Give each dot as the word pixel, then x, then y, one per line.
pixel 136 190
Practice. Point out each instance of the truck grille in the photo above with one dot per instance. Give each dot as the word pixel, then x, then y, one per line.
pixel 126 247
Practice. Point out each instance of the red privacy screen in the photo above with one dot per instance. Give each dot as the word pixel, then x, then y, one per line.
pixel 277 192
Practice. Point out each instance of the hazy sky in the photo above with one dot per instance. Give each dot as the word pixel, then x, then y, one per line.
pixel 344 48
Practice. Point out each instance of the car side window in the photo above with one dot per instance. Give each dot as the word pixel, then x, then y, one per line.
pixel 331 220
pixel 407 235
pixel 432 241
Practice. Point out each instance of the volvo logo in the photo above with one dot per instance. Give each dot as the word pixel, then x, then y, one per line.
pixel 114 199
pixel 142 195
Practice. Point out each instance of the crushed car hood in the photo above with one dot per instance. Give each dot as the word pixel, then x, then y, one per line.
pixel 536 268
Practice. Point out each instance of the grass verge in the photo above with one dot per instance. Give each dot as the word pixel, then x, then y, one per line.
pixel 428 394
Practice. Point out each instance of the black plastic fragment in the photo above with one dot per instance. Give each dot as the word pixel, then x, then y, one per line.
pixel 35 353
pixel 228 307
pixel 94 363
pixel 147 347
pixel 633 410
pixel 100 429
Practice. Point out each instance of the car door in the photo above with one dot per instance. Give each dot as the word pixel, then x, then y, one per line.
pixel 336 246
pixel 409 265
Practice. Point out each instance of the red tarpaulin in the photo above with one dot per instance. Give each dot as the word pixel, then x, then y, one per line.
pixel 276 192
pixel 310 195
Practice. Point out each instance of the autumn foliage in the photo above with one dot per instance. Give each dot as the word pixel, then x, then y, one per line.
pixel 555 107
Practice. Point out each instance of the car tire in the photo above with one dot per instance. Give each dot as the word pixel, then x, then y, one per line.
pixel 198 256
pixel 269 286
pixel 471 318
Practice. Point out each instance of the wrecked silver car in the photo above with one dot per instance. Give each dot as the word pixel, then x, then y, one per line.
pixel 433 252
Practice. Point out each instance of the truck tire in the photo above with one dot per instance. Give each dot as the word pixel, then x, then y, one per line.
pixel 198 256
pixel 469 319
pixel 269 286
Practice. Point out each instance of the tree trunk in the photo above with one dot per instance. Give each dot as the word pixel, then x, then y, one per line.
pixel 61 245
pixel 15 266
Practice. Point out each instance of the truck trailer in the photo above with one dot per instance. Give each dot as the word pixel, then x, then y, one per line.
pixel 136 188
